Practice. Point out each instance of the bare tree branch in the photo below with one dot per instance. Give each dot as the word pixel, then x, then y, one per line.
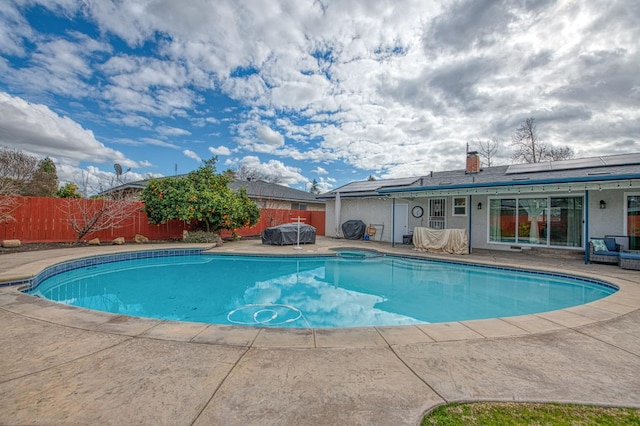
pixel 249 174
pixel 16 171
pixel 560 153
pixel 87 216
pixel 487 149
pixel 528 148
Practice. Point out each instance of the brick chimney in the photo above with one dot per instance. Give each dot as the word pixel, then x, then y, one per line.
pixel 473 162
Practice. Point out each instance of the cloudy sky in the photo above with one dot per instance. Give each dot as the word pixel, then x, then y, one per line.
pixel 328 90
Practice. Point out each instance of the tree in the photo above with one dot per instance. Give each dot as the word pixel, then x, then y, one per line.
pixel 247 173
pixel 561 153
pixel 314 187
pixel 90 215
pixel 69 190
pixel 371 178
pixel 487 149
pixel 16 171
pixel 44 182
pixel 87 216
pixel 529 148
pixel 201 198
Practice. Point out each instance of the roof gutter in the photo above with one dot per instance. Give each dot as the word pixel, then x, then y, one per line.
pixel 583 179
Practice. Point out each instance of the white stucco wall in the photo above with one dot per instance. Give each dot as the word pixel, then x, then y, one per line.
pixel 608 221
pixel 368 210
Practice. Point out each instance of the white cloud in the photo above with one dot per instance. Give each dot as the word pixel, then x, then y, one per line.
pixel 320 171
pixel 192 155
pixel 37 129
pixel 269 136
pixel 172 131
pixel 221 150
pixel 286 174
pixel 394 89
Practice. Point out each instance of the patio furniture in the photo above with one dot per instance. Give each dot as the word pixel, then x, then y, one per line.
pixel 630 260
pixel 287 234
pixel 453 241
pixel 604 250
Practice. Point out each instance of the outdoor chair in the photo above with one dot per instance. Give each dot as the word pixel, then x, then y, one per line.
pixel 630 260
pixel 604 250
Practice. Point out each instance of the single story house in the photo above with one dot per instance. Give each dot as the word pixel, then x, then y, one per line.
pixel 265 194
pixel 559 204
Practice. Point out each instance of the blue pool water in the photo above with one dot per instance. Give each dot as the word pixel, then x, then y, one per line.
pixel 340 291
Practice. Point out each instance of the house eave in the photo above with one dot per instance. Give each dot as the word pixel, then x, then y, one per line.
pixel 583 183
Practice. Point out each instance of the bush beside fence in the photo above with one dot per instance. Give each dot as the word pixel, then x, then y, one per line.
pixel 40 219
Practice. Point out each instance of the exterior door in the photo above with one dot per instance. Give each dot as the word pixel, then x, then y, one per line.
pixel 437 213
pixel 400 221
pixel 632 224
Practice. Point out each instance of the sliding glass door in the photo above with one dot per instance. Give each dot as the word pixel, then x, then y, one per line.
pixel 633 221
pixel 542 221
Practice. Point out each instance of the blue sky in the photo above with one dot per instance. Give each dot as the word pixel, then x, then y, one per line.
pixel 328 90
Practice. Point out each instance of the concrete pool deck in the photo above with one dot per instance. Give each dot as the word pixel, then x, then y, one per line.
pixel 65 365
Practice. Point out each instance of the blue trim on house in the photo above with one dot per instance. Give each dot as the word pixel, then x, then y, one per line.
pixel 470 212
pixel 586 227
pixel 598 178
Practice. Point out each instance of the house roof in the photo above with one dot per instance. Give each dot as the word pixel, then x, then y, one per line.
pixel 255 189
pixel 368 187
pixel 604 172
pixel 261 189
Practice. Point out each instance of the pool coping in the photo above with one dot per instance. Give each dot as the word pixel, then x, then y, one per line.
pixel 624 301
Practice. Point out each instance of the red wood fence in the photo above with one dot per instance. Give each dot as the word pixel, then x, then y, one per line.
pixel 40 219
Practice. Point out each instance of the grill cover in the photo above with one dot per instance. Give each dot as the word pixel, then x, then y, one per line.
pixel 288 234
pixel 353 229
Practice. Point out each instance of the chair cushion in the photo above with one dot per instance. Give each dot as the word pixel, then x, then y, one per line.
pixel 610 243
pixel 630 255
pixel 599 245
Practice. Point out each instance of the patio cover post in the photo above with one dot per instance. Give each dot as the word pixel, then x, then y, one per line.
pixel 586 227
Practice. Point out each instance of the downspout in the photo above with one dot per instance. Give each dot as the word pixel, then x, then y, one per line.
pixel 393 222
pixel 470 213
pixel 586 227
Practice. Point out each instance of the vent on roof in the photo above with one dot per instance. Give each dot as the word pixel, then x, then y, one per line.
pixel 598 173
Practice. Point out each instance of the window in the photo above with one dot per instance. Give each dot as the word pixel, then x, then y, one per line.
pixel 546 221
pixel 298 206
pixel 459 206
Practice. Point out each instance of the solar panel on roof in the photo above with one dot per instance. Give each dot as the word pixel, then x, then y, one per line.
pixel 528 167
pixel 622 159
pixel 578 163
pixel 372 185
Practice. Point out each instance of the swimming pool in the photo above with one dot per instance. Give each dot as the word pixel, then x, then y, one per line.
pixel 301 292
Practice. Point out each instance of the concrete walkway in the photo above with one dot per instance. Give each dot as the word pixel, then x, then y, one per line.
pixel 65 365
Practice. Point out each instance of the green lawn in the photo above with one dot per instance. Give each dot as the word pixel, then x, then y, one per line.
pixel 511 413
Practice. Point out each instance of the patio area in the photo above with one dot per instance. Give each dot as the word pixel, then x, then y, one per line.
pixel 65 365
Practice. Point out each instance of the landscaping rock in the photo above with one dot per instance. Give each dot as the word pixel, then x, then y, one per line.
pixel 219 241
pixel 11 243
pixel 118 241
pixel 94 242
pixel 140 239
